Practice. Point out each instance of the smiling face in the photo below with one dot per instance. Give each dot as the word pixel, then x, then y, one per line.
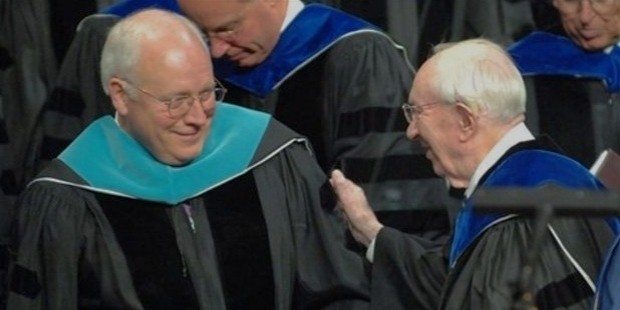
pixel 593 26
pixel 436 126
pixel 244 31
pixel 175 64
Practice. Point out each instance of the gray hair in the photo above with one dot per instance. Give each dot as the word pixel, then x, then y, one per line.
pixel 122 48
pixel 480 74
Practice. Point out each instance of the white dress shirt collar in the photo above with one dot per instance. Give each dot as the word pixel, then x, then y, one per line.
pixel 516 135
pixel 293 9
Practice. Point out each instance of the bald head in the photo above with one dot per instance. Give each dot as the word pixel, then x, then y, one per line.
pixel 165 33
pixel 151 61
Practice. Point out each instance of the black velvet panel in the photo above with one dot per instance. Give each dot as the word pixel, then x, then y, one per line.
pixel 147 238
pixel 394 167
pixel 375 120
pixel 25 282
pixel 242 245
pixel 5 59
pixel 299 108
pixel 52 147
pixel 565 115
pixel 65 15
pixel 563 294
pixel 8 183
pixel 4 136
pixel 66 101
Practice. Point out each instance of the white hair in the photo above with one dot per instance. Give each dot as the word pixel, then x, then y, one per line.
pixel 480 74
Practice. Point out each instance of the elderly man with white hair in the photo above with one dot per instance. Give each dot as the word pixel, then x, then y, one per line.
pixel 467 108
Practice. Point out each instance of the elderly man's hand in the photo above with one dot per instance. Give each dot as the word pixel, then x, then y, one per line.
pixel 352 203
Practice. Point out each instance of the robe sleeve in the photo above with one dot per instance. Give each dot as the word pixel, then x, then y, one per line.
pixel 77 97
pixel 408 272
pixel 328 275
pixel 44 272
pixel 59 241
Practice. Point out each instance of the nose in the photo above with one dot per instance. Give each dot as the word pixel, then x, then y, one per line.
pixel 412 130
pixel 586 13
pixel 219 47
pixel 198 112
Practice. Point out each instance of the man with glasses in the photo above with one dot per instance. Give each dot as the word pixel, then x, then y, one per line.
pixel 576 77
pixel 337 80
pixel 181 201
pixel 467 106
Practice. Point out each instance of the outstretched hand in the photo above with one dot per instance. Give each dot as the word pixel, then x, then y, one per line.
pixel 354 206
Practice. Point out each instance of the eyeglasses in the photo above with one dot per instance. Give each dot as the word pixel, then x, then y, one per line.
pixel 230 31
pixel 226 34
pixel 179 105
pixel 573 6
pixel 412 111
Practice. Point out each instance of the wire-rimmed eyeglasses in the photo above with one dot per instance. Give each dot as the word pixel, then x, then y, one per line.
pixel 180 104
pixel 412 111
pixel 573 6
pixel 232 29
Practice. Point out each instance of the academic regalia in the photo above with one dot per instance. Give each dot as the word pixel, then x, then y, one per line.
pixel 481 269
pixel 77 98
pixel 33 41
pixel 502 21
pixel 243 226
pixel 126 7
pixel 341 82
pixel 576 93
pixel 607 297
pixel 28 67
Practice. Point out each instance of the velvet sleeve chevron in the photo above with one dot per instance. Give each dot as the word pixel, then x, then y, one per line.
pixel 77 98
pixel 366 130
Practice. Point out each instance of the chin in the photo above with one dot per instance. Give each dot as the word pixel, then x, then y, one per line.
pixel 252 60
pixel 595 44
pixel 247 64
pixel 189 156
pixel 185 156
pixel 179 162
pixel 438 171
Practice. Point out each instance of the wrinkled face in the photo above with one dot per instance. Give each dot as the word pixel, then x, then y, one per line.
pixel 435 126
pixel 593 24
pixel 243 31
pixel 172 138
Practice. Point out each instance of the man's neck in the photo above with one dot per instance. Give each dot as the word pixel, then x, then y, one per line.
pixel 516 134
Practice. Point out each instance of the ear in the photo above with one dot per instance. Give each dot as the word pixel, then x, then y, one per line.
pixel 118 95
pixel 468 121
pixel 555 3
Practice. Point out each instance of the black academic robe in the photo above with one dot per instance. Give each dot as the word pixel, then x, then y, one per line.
pixel 344 93
pixel 574 91
pixel 28 67
pixel 77 98
pixel 482 267
pixel 211 235
pixel 341 82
